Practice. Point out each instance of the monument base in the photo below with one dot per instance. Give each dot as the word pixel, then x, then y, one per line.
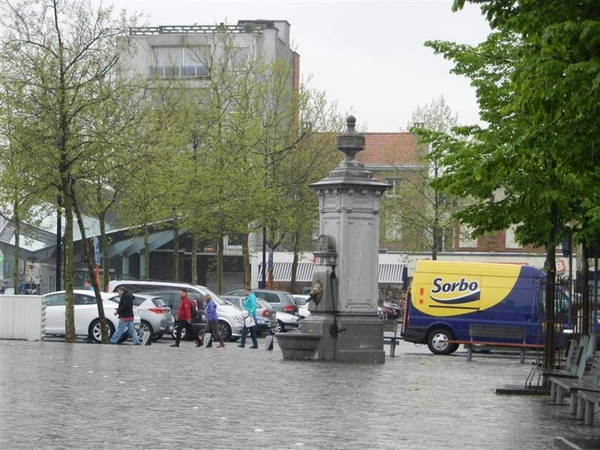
pixel 297 346
pixel 359 339
pixel 345 337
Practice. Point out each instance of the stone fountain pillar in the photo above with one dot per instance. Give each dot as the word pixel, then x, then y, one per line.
pixel 345 279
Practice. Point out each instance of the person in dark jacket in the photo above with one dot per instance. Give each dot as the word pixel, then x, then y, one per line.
pixel 126 316
pixel 184 319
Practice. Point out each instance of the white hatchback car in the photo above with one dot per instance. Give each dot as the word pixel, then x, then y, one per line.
pixel 302 301
pixel 87 321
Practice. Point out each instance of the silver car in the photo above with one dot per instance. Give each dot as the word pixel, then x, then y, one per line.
pixel 155 316
pixel 230 318
pixel 285 321
pixel 266 318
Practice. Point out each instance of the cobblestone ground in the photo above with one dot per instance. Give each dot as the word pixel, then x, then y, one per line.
pixel 88 396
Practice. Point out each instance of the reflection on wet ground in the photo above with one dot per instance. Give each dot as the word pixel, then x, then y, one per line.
pixel 88 396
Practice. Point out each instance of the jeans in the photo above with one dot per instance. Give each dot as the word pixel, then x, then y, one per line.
pixel 125 325
pixel 252 335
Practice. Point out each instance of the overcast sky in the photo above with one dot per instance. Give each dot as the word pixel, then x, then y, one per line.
pixel 368 56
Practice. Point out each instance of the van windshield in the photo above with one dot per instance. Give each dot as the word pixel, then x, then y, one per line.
pixel 562 302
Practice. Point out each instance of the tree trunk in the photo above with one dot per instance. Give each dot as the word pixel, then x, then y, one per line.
pixel 246 260
pixel 194 259
pixel 90 263
pixel 550 288
pixel 68 260
pixel 17 250
pixel 175 252
pixel 220 275
pixel 582 321
pixel 146 253
pixel 104 246
pixel 295 262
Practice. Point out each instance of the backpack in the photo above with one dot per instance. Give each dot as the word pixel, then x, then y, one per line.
pixel 194 309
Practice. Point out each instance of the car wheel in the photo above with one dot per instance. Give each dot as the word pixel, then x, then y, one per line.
pixel 280 328
pixel 437 341
pixel 95 333
pixel 145 326
pixel 225 330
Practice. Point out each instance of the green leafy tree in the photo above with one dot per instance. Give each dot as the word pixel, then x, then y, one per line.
pixel 422 213
pixel 530 165
pixel 55 52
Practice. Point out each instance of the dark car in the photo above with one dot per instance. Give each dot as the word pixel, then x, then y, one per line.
pixel 279 300
pixel 392 311
pixel 172 299
pixel 26 288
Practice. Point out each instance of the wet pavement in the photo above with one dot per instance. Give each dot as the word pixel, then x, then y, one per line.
pixel 89 396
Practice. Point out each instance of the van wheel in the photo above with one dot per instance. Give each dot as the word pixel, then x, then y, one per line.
pixel 437 341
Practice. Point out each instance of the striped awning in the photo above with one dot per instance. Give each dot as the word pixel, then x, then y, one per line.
pixel 282 271
pixel 391 273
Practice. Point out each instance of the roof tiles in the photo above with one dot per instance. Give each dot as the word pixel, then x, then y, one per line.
pixel 389 149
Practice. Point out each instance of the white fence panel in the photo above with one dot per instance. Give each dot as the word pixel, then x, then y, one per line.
pixel 21 317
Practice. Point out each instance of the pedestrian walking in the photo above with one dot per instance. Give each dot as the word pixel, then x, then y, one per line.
pixel 88 285
pixel 126 316
pixel 212 322
pixel 250 308
pixel 184 319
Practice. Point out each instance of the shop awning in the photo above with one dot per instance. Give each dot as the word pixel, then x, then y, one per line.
pixel 282 271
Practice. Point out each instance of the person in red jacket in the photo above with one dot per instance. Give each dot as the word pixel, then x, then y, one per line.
pixel 184 319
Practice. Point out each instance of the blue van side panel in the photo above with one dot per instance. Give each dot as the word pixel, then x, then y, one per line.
pixel 519 307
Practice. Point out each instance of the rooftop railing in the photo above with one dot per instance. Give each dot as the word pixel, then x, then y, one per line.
pixel 194 29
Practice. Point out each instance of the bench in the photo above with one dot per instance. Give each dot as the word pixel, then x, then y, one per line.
pixel 561 386
pixel 587 405
pixel 574 368
pixel 584 391
pixel 507 336
pixel 392 341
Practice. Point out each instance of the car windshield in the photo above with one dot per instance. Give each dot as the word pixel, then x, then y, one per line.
pixel 263 303
pixel 218 300
pixel 289 297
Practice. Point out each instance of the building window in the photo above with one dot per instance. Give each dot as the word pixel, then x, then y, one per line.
pixel 241 57
pixel 465 240
pixel 393 229
pixel 234 240
pixel 510 241
pixel 179 62
pixel 394 190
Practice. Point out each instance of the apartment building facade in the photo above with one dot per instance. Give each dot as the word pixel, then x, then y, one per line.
pixel 187 51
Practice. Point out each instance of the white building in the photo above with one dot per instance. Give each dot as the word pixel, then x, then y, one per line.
pixel 184 51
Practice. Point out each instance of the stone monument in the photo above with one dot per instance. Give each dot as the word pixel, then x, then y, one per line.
pixel 343 325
